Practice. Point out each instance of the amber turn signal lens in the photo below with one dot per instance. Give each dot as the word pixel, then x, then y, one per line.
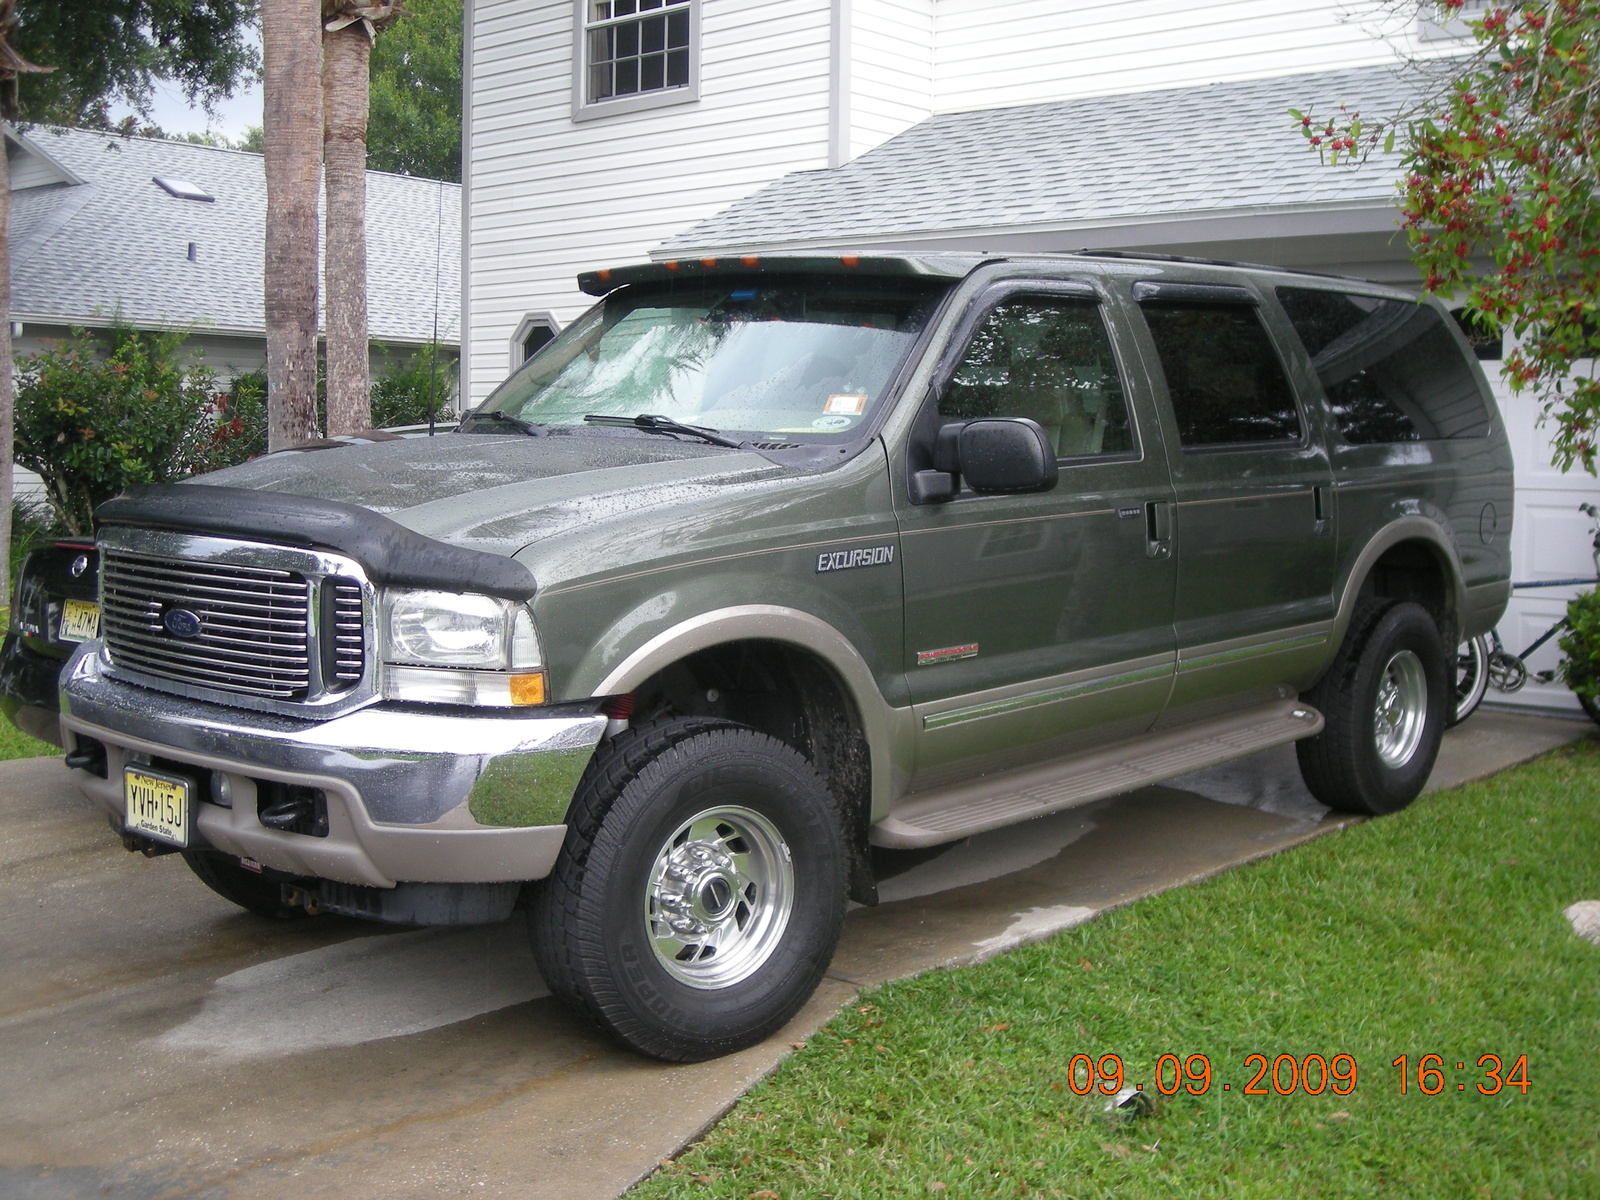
pixel 527 689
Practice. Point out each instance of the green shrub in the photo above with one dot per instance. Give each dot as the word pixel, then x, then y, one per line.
pixel 1580 670
pixel 241 420
pixel 402 394
pixel 101 412
pixel 105 410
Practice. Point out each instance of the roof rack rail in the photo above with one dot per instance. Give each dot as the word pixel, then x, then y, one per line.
pixel 1218 262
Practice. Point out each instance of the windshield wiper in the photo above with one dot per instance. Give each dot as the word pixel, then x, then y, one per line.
pixel 527 427
pixel 657 424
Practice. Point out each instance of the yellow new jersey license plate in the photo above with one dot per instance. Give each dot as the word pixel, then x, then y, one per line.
pixel 156 805
pixel 80 620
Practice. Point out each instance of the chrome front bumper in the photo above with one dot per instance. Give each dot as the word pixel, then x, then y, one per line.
pixel 412 795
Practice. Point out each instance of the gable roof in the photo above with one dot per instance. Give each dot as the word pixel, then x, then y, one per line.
pixel 109 239
pixel 1095 163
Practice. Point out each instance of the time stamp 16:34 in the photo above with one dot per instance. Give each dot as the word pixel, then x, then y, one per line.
pixel 1313 1075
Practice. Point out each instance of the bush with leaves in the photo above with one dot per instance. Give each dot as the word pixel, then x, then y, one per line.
pixel 1580 669
pixel 401 395
pixel 411 388
pixel 100 412
pixel 241 432
pixel 1503 168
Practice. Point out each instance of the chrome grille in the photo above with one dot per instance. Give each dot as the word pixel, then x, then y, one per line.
pixel 344 636
pixel 254 636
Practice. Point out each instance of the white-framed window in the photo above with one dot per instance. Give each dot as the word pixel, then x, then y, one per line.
pixel 1433 26
pixel 634 54
pixel 535 329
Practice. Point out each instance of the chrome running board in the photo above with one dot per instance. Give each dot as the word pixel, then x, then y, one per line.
pixel 1006 797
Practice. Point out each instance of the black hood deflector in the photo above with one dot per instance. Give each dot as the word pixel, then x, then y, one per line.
pixel 391 553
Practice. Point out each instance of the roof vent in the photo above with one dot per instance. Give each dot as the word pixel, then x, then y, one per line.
pixel 181 188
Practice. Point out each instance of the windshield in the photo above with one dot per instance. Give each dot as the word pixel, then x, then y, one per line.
pixel 779 359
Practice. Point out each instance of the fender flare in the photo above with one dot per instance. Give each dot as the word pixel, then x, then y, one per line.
pixel 886 728
pixel 1403 529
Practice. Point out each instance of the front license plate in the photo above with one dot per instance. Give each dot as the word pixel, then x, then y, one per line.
pixel 80 620
pixel 156 805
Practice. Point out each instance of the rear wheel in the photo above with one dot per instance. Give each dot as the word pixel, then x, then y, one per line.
pixel 1472 676
pixel 700 892
pixel 1385 700
pixel 224 876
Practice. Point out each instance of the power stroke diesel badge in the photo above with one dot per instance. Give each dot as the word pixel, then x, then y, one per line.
pixel 864 556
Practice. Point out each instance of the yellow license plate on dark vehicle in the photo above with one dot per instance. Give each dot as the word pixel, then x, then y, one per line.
pixel 80 621
pixel 156 805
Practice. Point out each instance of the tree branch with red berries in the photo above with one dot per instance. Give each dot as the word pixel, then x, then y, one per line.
pixel 1501 169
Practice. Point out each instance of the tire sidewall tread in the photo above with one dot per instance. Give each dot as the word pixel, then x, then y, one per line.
pixel 1340 765
pixel 586 918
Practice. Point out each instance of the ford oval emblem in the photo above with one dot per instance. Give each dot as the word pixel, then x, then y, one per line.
pixel 180 622
pixel 79 566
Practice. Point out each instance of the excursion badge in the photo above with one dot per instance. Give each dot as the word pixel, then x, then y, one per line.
pixel 845 560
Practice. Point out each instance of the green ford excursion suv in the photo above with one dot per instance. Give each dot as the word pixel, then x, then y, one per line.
pixel 766 562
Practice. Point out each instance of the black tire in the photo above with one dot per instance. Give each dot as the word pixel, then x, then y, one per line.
pixel 598 920
pixel 1472 677
pixel 1364 761
pixel 224 876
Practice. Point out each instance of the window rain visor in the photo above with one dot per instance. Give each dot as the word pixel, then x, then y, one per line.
pixel 787 359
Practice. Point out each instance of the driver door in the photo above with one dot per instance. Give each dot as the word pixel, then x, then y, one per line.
pixel 1037 623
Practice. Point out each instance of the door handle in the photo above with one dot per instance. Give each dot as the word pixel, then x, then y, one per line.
pixel 1321 511
pixel 1157 528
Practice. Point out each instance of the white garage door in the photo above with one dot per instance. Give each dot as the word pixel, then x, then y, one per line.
pixel 1550 540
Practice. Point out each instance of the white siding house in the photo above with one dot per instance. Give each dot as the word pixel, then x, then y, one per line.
pixel 555 190
pixel 559 182
pixel 1002 125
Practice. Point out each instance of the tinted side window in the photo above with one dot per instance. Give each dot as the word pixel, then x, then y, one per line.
pixel 1226 382
pixel 1391 369
pixel 1045 357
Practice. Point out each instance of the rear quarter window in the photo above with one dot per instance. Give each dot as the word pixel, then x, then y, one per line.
pixel 1392 370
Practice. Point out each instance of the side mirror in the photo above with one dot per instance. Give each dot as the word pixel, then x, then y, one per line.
pixel 998 454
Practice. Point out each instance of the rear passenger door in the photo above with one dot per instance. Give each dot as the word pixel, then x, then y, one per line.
pixel 1253 528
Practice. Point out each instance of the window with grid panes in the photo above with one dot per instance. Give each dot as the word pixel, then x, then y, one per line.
pixel 636 46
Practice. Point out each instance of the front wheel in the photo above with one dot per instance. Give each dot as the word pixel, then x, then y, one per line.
pixel 1385 700
pixel 700 893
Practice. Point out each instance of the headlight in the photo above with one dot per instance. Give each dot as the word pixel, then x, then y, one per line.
pixel 459 648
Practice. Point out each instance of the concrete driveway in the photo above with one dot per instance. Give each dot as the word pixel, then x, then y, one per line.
pixel 156 1042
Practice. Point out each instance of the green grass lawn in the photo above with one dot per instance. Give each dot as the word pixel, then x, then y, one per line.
pixel 1435 931
pixel 16 744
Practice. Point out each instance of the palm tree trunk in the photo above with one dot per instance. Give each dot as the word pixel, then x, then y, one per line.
pixel 345 56
pixel 7 388
pixel 291 45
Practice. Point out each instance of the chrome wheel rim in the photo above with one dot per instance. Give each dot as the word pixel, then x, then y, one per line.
pixel 1402 709
pixel 719 896
pixel 1472 675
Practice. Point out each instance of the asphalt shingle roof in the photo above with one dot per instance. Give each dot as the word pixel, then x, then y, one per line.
pixel 118 242
pixel 1092 162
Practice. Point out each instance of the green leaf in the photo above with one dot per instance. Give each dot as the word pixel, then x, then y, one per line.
pixel 1388 142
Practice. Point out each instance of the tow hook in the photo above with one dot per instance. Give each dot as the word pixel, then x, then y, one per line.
pixel 298 897
pixel 136 844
